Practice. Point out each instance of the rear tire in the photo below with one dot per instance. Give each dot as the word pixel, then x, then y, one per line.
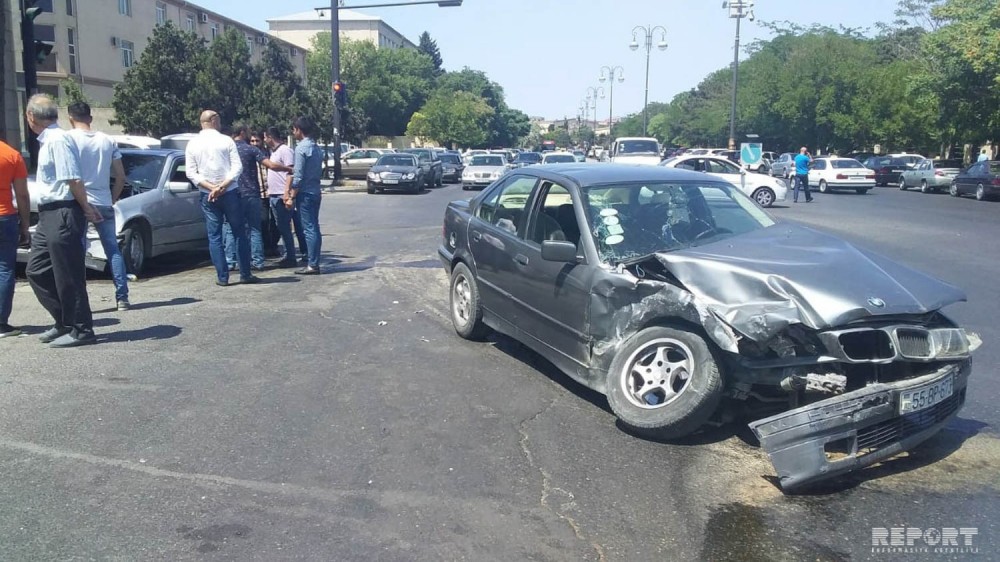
pixel 466 309
pixel 823 188
pixel 924 188
pixel 664 383
pixel 135 250
pixel 981 193
pixel 861 191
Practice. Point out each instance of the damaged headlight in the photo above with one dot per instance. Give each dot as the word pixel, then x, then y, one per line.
pixel 949 344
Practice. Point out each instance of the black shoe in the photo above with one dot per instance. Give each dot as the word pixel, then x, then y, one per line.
pixel 257 268
pixel 284 264
pixel 52 334
pixel 809 200
pixel 307 271
pixel 68 340
pixel 8 331
pixel 252 280
pixel 222 283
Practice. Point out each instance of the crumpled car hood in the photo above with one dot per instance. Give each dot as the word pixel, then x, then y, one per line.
pixel 761 282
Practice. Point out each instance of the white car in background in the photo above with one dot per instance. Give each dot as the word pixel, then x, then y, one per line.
pixel 635 150
pixel 559 158
pixel 133 141
pixel 765 190
pixel 830 174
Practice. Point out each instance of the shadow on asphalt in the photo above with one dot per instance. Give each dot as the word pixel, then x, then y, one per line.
pixel 158 332
pixel 177 301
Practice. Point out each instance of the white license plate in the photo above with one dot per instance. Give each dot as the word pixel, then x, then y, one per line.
pixel 924 397
pixel 390 182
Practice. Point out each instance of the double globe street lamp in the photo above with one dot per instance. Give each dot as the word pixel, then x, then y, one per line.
pixel 592 95
pixel 738 9
pixel 608 74
pixel 649 32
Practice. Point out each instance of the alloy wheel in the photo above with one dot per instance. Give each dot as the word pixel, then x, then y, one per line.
pixel 462 301
pixel 657 373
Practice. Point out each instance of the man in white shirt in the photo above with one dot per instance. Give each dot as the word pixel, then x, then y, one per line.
pixel 99 160
pixel 213 164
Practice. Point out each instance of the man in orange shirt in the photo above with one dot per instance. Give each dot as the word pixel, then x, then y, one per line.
pixel 13 228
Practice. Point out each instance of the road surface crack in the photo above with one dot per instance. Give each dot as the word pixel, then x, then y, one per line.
pixel 548 490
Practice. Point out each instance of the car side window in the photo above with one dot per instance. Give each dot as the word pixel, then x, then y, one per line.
pixel 555 218
pixel 721 167
pixel 507 206
pixel 819 164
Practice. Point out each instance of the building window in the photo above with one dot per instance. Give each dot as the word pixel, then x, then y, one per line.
pixel 71 49
pixel 215 31
pixel 161 13
pixel 249 42
pixel 125 7
pixel 128 53
pixel 45 33
pixel 69 7
pixel 189 22
pixel 45 5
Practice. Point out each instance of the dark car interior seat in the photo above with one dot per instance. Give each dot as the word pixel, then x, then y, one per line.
pixel 566 217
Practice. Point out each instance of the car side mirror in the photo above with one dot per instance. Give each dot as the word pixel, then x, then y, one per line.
pixel 559 251
pixel 179 187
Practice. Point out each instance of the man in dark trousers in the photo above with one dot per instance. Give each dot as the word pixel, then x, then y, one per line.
pixel 802 162
pixel 56 268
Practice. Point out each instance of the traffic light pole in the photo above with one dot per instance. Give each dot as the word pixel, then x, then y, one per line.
pixel 335 78
pixel 28 58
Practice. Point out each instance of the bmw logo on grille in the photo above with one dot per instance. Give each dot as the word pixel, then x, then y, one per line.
pixel 876 302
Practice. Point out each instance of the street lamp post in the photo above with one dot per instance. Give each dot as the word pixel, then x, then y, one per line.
pixel 592 93
pixel 738 9
pixel 662 45
pixel 608 74
pixel 335 7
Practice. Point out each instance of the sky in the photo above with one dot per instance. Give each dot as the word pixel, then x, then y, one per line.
pixel 547 53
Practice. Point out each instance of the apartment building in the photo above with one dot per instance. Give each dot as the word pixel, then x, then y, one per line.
pixel 97 41
pixel 300 28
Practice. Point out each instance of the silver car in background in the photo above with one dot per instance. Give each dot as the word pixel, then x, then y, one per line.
pixel 931 176
pixel 483 170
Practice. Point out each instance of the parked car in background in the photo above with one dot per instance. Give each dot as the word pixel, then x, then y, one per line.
pixel 178 141
pixel 451 167
pixel 396 171
pixel 888 169
pixel 559 158
pixel 763 189
pixel 470 153
pixel 931 175
pixel 138 142
pixel 981 179
pixel 527 159
pixel 159 211
pixel 680 300
pixel 783 166
pixel 581 156
pixel 832 173
pixel 356 163
pixel 431 163
pixel 635 150
pixel 483 170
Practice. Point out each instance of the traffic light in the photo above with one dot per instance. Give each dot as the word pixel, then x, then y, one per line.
pixel 340 94
pixel 34 52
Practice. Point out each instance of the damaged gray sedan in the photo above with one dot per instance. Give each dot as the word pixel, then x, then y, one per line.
pixel 685 303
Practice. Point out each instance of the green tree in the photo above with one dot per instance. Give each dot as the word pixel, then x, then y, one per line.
pixel 506 126
pixel 154 98
pixel 453 119
pixel 430 48
pixel 73 93
pixel 226 79
pixel 280 96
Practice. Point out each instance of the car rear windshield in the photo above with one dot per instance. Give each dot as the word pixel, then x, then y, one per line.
pixel 637 219
pixel 846 164
pixel 559 158
pixel 529 157
pixel 396 160
pixel 949 164
pixel 638 147
pixel 487 160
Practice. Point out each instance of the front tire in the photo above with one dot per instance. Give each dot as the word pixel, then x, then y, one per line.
pixel 329 174
pixel 134 250
pixel 764 197
pixel 466 309
pixel 953 190
pixel 371 189
pixel 664 383
pixel 902 183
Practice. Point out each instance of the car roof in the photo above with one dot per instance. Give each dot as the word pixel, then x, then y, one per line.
pixel 152 151
pixel 589 174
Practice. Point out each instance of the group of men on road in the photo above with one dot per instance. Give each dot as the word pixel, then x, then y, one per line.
pixel 225 168
pixel 74 188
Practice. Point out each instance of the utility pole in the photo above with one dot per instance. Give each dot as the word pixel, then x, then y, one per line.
pixel 335 78
pixel 738 9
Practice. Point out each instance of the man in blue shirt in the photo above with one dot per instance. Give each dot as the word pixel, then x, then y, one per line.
pixel 802 162
pixel 305 190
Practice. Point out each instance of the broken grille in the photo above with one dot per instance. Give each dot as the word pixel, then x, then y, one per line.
pixel 873 438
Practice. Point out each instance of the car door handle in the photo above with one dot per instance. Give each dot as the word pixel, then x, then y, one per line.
pixel 477 236
pixel 521 259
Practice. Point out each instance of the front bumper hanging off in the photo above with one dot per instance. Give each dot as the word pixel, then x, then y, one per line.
pixel 854 430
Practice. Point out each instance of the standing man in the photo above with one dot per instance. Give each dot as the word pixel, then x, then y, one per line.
pixel 100 159
pixel 56 269
pixel 276 183
pixel 13 228
pixel 213 164
pixel 983 156
pixel 304 191
pixel 802 162
pixel 251 159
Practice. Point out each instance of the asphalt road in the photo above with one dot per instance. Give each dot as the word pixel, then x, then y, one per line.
pixel 340 418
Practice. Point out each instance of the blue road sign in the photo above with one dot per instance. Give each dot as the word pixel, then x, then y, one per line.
pixel 751 153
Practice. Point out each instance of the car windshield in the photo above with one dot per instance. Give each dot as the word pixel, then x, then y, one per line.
pixel 451 159
pixel 633 220
pixel 529 157
pixel 142 171
pixel 559 158
pixel 487 160
pixel 396 160
pixel 638 147
pixel 846 164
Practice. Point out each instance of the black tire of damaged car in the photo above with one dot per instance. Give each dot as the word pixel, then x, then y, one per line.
pixel 670 359
pixel 466 310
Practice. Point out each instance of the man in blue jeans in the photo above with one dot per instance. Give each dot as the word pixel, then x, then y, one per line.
pixel 213 164
pixel 802 162
pixel 305 191
pixel 100 159
pixel 13 228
